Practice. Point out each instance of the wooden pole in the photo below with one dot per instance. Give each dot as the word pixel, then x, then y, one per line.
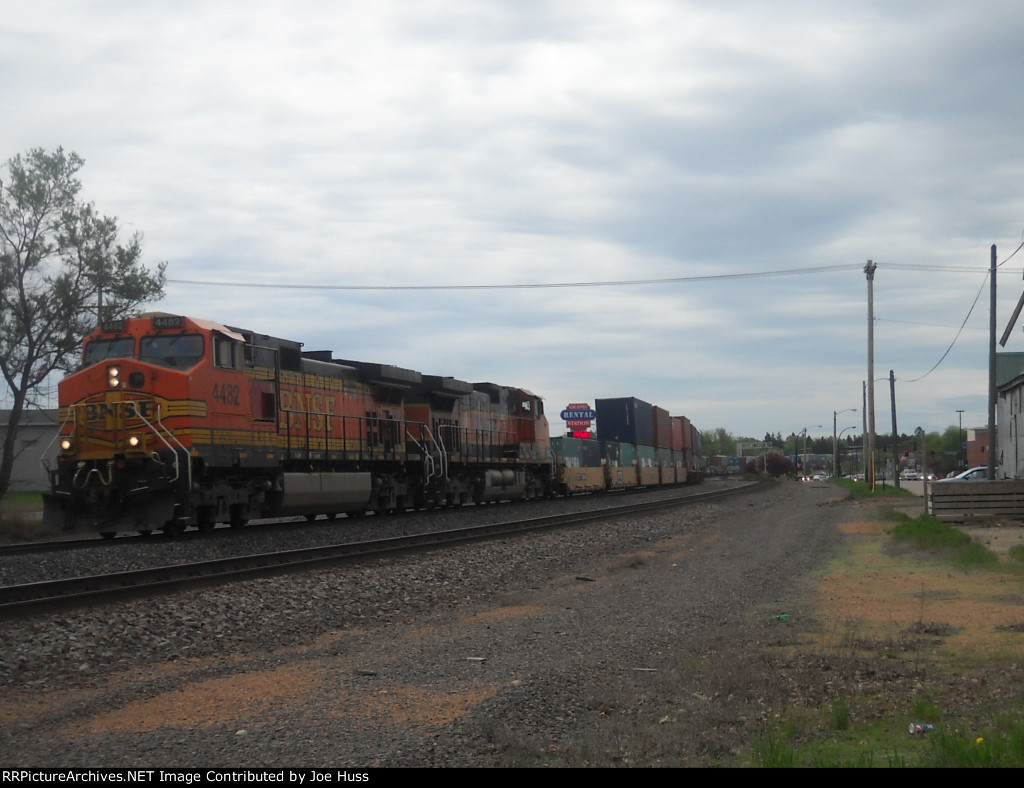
pixel 869 272
pixel 992 370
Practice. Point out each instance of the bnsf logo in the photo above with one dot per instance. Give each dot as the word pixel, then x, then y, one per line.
pixel 103 411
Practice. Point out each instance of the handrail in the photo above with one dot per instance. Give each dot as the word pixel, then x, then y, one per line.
pixel 428 457
pixel 159 420
pixel 42 458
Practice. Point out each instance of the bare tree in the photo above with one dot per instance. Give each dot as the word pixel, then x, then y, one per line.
pixel 61 271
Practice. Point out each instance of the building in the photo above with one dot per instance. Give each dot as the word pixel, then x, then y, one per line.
pixel 37 433
pixel 1009 416
pixel 977 446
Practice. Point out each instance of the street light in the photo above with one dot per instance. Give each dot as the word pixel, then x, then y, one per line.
pixel 804 431
pixel 844 429
pixel 835 439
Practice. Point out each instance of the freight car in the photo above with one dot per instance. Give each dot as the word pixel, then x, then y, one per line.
pixel 637 445
pixel 174 422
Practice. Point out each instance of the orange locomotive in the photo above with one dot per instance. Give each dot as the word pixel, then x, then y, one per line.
pixel 174 421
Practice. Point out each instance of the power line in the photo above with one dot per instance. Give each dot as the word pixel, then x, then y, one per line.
pixel 968 317
pixel 530 286
pixel 958 333
pixel 628 283
pixel 606 283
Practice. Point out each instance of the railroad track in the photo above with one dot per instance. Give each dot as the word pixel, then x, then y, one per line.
pixel 94 541
pixel 74 592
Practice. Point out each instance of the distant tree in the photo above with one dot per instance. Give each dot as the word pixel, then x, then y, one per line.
pixel 773 463
pixel 61 271
pixel 718 440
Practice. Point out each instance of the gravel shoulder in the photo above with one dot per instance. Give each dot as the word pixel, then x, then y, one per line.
pixel 544 650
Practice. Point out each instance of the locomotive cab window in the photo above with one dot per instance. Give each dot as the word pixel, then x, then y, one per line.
pixel 178 351
pixel 226 352
pixel 102 349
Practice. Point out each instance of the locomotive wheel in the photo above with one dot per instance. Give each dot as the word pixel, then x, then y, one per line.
pixel 108 534
pixel 310 517
pixel 174 528
pixel 239 515
pixel 206 518
pixel 331 515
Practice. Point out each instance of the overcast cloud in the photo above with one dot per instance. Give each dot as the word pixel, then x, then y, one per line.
pixel 319 144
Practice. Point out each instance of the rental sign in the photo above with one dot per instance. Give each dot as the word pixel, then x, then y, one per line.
pixel 578 415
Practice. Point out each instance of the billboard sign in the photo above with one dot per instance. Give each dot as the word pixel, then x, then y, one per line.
pixel 578 416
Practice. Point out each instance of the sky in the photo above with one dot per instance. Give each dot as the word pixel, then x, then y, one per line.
pixel 668 200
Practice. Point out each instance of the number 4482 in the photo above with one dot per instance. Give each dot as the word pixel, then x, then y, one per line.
pixel 225 393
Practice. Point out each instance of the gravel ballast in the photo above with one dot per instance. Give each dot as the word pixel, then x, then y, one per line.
pixel 554 648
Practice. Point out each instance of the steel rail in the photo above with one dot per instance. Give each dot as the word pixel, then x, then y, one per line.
pixel 81 591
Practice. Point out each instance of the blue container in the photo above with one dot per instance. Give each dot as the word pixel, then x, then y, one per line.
pixel 625 419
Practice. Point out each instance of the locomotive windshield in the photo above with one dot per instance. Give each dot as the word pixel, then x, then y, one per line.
pixel 102 349
pixel 181 351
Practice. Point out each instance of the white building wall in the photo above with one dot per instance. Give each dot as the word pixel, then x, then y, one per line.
pixel 1010 431
pixel 36 434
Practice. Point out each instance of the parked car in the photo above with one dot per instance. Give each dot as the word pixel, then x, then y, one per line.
pixel 977 474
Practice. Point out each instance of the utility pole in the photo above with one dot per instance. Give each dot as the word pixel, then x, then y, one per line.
pixel 895 434
pixel 961 463
pixel 992 369
pixel 869 272
pixel 864 428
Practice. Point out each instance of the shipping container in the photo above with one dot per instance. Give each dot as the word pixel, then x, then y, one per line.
pixel 626 420
pixel 620 464
pixel 679 461
pixel 666 468
pixel 677 426
pixel 577 452
pixel 578 466
pixel 661 423
pixel 648 472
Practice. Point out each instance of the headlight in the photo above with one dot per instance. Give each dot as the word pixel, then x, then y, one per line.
pixel 114 377
pixel 66 444
pixel 134 441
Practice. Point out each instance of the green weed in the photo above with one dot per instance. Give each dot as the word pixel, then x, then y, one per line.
pixel 1000 749
pixel 840 715
pixel 927 533
pixel 19 515
pixel 926 711
pixel 774 753
pixel 975 556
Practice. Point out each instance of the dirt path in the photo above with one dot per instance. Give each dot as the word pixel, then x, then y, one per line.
pixel 676 640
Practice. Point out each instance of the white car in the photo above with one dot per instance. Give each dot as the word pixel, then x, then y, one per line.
pixel 976 474
pixel 911 476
